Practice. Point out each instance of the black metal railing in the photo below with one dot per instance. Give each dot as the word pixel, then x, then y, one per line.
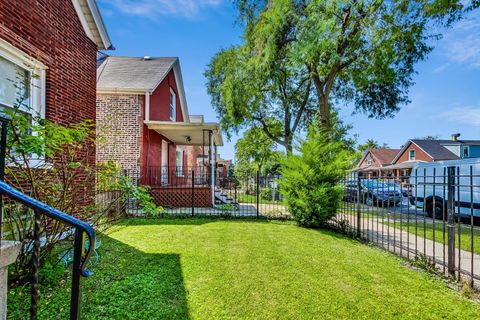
pixel 189 191
pixel 431 214
pixel 81 228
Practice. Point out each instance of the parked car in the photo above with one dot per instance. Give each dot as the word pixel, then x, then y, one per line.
pixel 430 192
pixel 373 192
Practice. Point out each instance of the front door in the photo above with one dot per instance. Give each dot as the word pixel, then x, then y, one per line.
pixel 164 168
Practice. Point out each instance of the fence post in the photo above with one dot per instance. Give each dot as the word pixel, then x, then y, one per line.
pixel 258 193
pixel 235 186
pixel 359 215
pixel 193 193
pixel 451 219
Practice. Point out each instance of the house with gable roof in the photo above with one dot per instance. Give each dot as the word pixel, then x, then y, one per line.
pixel 143 115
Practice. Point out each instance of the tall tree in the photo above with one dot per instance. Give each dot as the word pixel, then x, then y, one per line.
pixel 255 148
pixel 353 51
pixel 277 99
pixel 371 144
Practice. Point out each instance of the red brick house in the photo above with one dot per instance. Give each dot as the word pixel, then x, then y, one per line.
pixel 374 161
pixel 50 47
pixel 143 114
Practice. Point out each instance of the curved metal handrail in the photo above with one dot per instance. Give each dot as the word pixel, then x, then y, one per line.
pixel 53 213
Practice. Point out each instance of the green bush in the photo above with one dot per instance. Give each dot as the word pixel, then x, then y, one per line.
pixel 266 194
pixel 309 179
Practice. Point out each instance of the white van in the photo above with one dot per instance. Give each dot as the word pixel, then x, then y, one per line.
pixel 429 181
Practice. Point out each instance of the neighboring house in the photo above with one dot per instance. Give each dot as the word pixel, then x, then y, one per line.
pixel 48 58
pixel 143 119
pixel 374 160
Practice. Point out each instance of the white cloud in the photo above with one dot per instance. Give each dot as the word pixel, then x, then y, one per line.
pixel 461 44
pixel 466 115
pixel 154 8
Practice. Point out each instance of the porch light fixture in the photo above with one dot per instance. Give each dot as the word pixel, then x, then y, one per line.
pixel 188 138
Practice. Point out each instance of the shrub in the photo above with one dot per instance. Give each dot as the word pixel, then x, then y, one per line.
pixel 266 194
pixel 309 179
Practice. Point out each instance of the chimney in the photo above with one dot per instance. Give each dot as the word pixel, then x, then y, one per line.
pixel 455 136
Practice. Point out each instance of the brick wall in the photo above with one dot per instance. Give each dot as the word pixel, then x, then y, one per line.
pixel 50 31
pixel 119 127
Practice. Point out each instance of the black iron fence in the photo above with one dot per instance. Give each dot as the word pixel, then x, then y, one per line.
pixel 430 215
pixel 194 191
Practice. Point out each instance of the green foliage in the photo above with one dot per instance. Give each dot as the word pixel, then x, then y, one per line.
pixel 309 179
pixel 127 188
pixel 256 149
pixel 51 273
pixel 359 52
pixel 266 194
pixel 371 144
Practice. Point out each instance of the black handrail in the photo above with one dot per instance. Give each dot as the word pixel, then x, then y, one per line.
pixel 79 260
pixel 53 213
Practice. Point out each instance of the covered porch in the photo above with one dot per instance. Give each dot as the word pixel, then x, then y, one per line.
pixel 192 179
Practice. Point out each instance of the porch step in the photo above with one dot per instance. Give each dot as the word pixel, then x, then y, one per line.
pixel 223 198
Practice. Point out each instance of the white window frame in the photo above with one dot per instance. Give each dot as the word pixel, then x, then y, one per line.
pixel 172 111
pixel 37 75
pixel 468 151
pixel 179 162
pixel 410 154
pixel 37 82
pixel 369 161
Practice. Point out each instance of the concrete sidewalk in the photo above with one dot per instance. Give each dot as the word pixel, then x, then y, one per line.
pixel 375 230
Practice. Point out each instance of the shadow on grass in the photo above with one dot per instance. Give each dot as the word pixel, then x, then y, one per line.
pixel 126 284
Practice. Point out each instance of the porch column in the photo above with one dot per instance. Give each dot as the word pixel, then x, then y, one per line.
pixel 212 167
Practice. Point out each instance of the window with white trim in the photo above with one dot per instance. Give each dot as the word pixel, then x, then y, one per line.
pixel 411 154
pixel 466 152
pixel 22 81
pixel 369 161
pixel 179 162
pixel 173 105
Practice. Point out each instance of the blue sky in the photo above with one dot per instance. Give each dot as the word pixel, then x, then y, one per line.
pixel 445 97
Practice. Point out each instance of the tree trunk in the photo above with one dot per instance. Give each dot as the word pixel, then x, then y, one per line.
pixel 325 112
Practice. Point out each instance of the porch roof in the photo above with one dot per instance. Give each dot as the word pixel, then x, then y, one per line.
pixel 187 133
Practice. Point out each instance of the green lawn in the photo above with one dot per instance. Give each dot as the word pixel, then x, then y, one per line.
pixel 250 198
pixel 236 269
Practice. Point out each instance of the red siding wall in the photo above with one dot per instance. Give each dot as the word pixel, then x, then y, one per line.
pixel 151 153
pixel 364 163
pixel 419 154
pixel 160 100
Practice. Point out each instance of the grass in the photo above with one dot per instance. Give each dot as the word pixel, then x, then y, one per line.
pixel 427 231
pixel 240 269
pixel 250 198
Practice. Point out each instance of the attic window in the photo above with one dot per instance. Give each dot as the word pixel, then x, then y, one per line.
pixel 173 104
pixel 411 155
pixel 369 161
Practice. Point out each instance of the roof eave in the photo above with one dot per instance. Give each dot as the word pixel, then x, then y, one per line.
pixel 92 23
